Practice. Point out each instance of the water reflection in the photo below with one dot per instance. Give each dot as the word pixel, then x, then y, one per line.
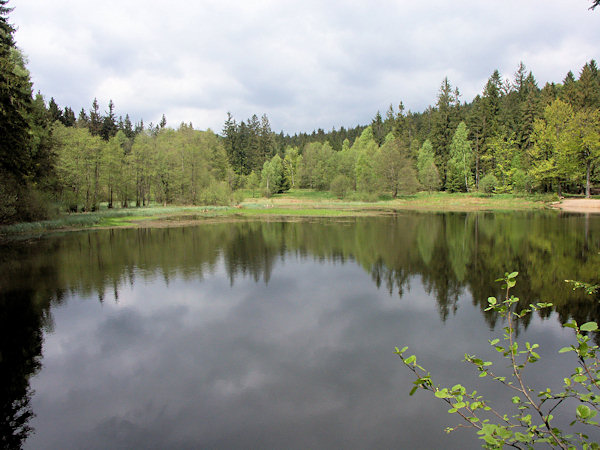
pixel 201 330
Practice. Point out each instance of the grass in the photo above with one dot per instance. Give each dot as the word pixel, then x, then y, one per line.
pixel 294 203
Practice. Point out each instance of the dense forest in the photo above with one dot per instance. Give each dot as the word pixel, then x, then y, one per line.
pixel 513 137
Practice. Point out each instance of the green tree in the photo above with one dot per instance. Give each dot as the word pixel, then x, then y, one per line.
pixel 394 168
pixel 252 183
pixel 79 166
pixel 445 118
pixel 272 175
pixel 585 129
pixel 109 123
pixel 95 121
pixel 291 162
pixel 15 126
pixel 112 157
pixel 461 158
pixel 427 171
pixel 552 143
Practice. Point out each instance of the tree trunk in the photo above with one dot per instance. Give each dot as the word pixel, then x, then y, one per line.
pixel 587 179
pixel 477 162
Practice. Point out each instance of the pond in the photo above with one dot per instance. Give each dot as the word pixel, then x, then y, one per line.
pixel 275 334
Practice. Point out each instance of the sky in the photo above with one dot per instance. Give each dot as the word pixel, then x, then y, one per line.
pixel 305 64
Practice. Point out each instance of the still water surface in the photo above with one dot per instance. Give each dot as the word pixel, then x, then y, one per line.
pixel 273 334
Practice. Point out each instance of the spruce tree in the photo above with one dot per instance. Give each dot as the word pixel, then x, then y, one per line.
pixel 54 111
pixel 95 122
pixel 109 124
pixel 443 123
pixel 68 117
pixel 15 104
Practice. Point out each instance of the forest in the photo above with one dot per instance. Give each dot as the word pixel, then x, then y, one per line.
pixel 514 137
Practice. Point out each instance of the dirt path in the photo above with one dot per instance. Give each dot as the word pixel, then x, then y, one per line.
pixel 581 205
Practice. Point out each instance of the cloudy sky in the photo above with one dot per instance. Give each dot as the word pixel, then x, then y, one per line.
pixel 306 64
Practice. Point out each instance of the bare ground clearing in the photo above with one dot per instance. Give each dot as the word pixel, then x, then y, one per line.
pixel 580 205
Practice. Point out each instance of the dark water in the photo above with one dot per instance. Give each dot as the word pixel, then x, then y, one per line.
pixel 273 335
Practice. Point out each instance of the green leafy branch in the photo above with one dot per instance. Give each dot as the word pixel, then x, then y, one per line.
pixel 532 420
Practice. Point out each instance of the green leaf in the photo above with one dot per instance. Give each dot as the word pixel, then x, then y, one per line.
pixel 492 300
pixel 442 394
pixel 413 390
pixel 584 411
pixel 513 275
pixel 411 359
pixel 490 440
pixel 522 437
pixel 494 342
pixel 589 326
pixel 579 378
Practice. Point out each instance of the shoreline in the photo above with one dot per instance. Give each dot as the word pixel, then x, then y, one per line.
pixel 297 205
pixel 578 205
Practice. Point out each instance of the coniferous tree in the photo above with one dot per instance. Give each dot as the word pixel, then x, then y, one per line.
pixel 444 121
pixel 109 124
pixel 95 122
pixel 15 102
pixel 128 127
pixel 19 164
pixel 568 92
pixel 587 88
pixel 83 120
pixel 378 129
pixel 69 119
pixel 54 111
pixel 266 142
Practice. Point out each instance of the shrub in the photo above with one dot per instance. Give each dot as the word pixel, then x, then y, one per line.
pixel 531 423
pixel 216 193
pixel 488 183
pixel 340 186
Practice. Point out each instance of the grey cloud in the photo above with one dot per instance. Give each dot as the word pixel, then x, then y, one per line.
pixel 335 62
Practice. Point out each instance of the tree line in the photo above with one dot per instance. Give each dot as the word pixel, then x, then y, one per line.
pixel 513 137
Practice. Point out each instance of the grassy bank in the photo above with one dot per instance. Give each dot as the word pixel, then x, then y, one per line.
pixel 295 203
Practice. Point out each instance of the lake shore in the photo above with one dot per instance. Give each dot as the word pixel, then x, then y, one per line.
pixel 296 204
pixel 578 205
